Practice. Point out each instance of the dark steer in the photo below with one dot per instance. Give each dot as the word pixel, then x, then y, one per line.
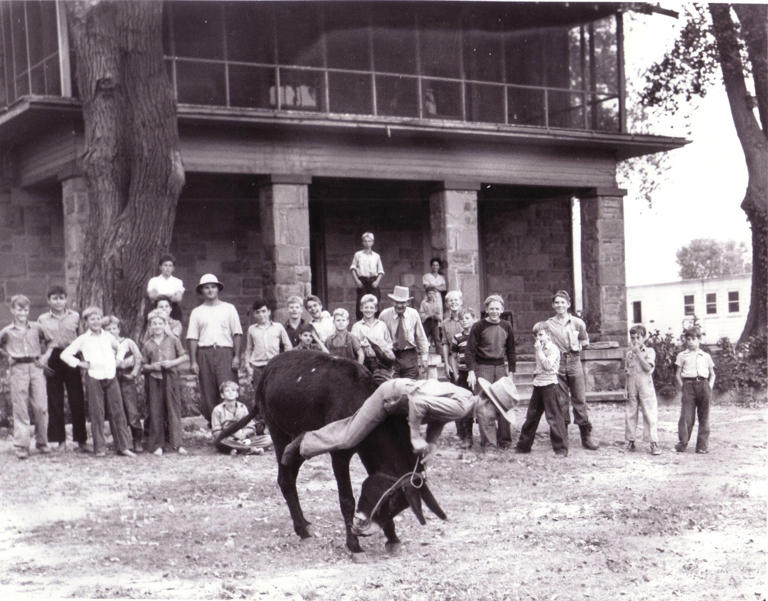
pixel 304 390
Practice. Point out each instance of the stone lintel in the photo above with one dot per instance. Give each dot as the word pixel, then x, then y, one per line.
pixel 458 186
pixel 69 171
pixel 598 192
pixel 297 179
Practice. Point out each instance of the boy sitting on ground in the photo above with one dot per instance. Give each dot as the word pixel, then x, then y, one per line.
pixel 230 410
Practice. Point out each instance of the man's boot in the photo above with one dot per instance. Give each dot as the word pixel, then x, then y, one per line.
pixel 586 438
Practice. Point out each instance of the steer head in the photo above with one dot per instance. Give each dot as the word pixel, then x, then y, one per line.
pixel 382 497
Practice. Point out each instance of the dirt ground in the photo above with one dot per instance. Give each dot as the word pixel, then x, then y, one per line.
pixel 596 526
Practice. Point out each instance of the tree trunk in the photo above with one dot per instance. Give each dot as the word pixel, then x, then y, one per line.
pixel 131 161
pixel 754 144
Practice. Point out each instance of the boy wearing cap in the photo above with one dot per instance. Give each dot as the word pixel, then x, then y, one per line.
pixel 367 271
pixel 23 342
pixel 214 336
pixel 544 396
pixel 423 401
pixel 695 375
pixel 410 343
pixel 569 334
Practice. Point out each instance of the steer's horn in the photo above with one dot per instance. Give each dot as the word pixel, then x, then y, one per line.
pixel 414 501
pixel 431 502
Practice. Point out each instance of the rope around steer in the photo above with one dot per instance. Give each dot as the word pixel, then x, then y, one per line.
pixel 416 480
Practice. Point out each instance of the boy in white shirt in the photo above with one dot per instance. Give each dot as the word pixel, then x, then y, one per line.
pixel 99 350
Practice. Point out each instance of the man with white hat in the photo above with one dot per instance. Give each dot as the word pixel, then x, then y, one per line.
pixel 410 342
pixel 214 335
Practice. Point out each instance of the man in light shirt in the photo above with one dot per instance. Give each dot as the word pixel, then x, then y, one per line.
pixel 99 348
pixel 410 342
pixel 214 336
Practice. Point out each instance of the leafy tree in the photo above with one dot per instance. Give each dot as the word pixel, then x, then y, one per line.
pixel 707 258
pixel 131 161
pixel 731 38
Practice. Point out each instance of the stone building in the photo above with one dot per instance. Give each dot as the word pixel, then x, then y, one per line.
pixel 468 131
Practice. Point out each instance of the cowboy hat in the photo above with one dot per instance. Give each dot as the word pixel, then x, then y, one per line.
pixel 504 396
pixel 209 278
pixel 400 294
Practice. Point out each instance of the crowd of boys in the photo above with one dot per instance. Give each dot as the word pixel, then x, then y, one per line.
pixel 57 352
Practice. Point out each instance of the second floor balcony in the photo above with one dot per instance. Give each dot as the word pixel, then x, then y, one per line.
pixel 552 66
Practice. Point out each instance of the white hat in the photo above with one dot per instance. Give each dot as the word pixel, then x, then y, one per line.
pixel 504 396
pixel 401 294
pixel 209 278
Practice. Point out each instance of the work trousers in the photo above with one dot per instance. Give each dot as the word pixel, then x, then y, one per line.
pixel 641 398
pixel 98 391
pixel 406 364
pixel 572 387
pixel 27 388
pixel 695 400
pixel 494 429
pixel 464 425
pixel 65 377
pixel 258 373
pixel 367 288
pixel 544 399
pixel 130 404
pixel 215 363
pixel 164 411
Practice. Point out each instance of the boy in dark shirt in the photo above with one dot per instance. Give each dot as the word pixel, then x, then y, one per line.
pixel 459 367
pixel 491 355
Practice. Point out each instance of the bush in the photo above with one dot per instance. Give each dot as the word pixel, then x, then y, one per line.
pixel 667 348
pixel 741 368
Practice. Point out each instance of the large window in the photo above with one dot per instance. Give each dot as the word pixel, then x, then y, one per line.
pixel 474 64
pixel 29 56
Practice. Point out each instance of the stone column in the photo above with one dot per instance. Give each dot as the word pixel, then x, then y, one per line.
pixel 75 200
pixel 602 254
pixel 453 223
pixel 284 211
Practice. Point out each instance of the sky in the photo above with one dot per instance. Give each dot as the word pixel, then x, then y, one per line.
pixel 700 195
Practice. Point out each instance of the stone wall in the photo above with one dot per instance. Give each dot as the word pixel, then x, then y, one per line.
pixel 221 237
pixel 398 215
pixel 525 246
pixel 31 246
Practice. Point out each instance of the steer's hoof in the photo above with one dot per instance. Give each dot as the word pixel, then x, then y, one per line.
pixel 308 533
pixel 393 548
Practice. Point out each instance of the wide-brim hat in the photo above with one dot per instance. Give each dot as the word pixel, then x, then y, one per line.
pixel 209 278
pixel 400 294
pixel 503 394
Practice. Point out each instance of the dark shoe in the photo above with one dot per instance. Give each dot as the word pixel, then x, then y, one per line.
pixel 702 451
pixel 680 447
pixel 586 438
pixel 561 452
pixel 655 450
pixel 522 450
pixel 631 445
pixel 291 452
